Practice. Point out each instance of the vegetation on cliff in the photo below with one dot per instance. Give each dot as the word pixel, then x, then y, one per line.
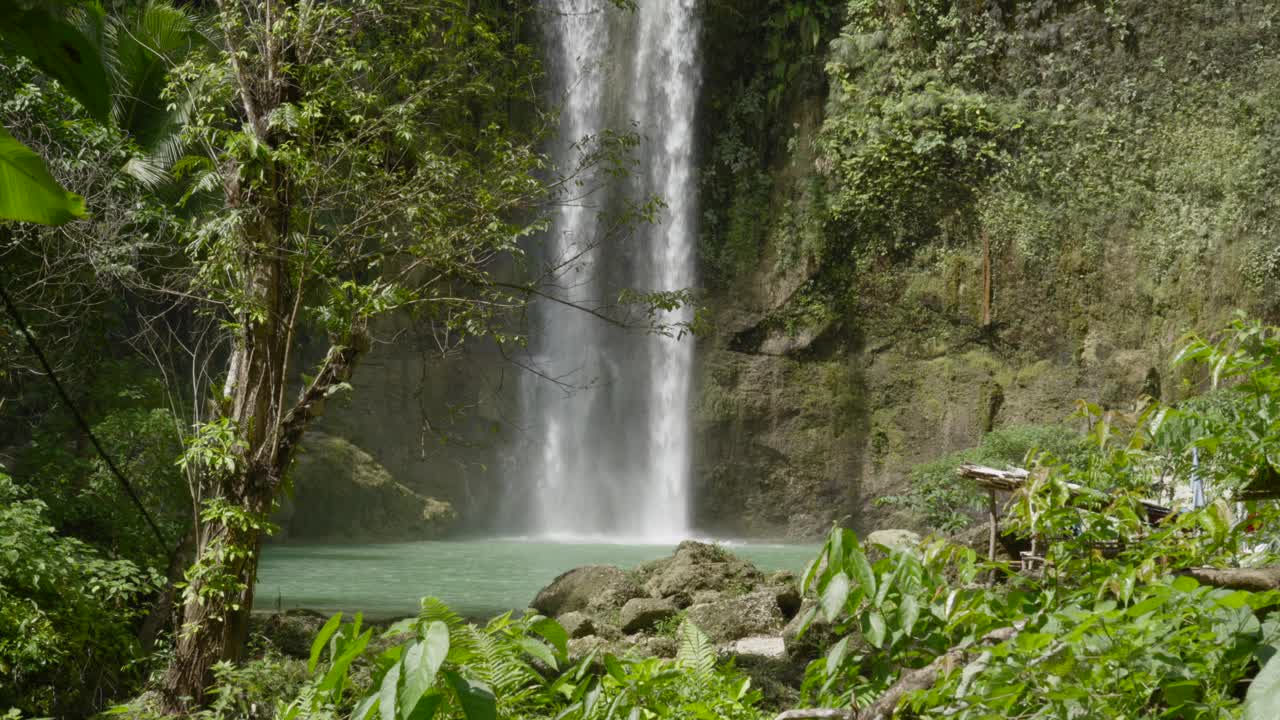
pixel 1117 614
pixel 964 216
pixel 944 218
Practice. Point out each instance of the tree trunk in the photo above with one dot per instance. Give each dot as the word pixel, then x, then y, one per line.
pixel 162 611
pixel 223 577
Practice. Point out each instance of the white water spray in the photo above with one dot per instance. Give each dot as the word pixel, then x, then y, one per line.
pixel 613 460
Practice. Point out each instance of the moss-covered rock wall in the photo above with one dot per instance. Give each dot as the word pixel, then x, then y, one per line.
pixel 1111 163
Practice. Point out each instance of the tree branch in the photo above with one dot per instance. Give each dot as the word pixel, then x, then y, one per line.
pixel 910 681
pixel 1260 579
pixel 337 368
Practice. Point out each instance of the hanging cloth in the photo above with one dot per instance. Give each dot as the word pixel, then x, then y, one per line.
pixel 1197 483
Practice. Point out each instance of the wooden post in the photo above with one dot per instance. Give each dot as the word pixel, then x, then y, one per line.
pixel 994 518
pixel 986 279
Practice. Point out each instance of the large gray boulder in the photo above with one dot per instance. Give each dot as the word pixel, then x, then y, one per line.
pixel 734 618
pixel 341 493
pixel 698 567
pixel 577 624
pixel 640 614
pixel 594 588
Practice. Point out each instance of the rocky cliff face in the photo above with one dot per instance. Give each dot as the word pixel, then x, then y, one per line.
pixel 848 351
pixel 1127 196
pixel 341 494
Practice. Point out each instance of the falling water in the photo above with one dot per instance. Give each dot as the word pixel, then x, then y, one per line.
pixel 613 459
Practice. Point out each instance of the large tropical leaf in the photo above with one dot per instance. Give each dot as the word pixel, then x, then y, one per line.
pixel 28 192
pixel 62 51
pixel 1263 699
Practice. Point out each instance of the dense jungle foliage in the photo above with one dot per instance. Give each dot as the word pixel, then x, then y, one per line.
pixel 1118 618
pixel 190 190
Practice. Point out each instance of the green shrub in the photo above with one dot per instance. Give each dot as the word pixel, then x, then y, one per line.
pixel 947 504
pixel 66 614
pixel 443 667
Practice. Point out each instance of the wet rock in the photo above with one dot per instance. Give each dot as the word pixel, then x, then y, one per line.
pixel 599 588
pixel 577 624
pixel 643 613
pixel 788 599
pixel 729 619
pixel 783 577
pixel 607 631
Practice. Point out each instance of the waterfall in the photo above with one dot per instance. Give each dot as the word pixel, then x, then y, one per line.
pixel 607 448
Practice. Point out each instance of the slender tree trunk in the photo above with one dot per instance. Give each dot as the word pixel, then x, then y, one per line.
pixel 161 613
pixel 219 593
pixel 219 596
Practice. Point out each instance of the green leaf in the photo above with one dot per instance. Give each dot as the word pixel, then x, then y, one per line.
pixel 1185 583
pixel 909 613
pixel 421 664
pixel 836 656
pixel 876 629
pixel 554 633
pixel 862 572
pixel 1234 601
pixel 1263 699
pixel 426 707
pixel 476 699
pixel 614 668
pixel 28 192
pixel 364 708
pixel 834 595
pixel 539 650
pixel 387 693
pixel 338 671
pixel 317 646
pixel 62 51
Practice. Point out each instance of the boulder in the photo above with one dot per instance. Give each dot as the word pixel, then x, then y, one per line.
pixel 607 631
pixel 595 588
pixel 341 493
pixel 654 646
pixel 783 577
pixel 703 597
pixel 894 539
pixel 641 614
pixel 581 647
pixel 817 637
pixel 577 624
pixel 765 646
pixel 290 632
pixel 733 618
pixel 699 566
pixel 788 599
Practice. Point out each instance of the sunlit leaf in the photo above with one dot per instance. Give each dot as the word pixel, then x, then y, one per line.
pixel 28 192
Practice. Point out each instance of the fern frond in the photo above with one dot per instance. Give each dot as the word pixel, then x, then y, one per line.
pixel 696 654
pixel 434 610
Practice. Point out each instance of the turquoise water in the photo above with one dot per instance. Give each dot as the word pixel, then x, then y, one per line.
pixel 475 577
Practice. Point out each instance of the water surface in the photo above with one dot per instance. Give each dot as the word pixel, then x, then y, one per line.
pixel 475 577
